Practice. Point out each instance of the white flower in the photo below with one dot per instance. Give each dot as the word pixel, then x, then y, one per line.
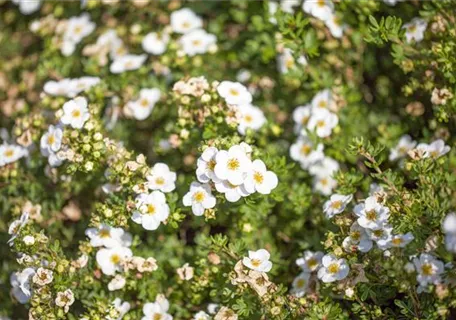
pixel 311 261
pixel 127 62
pixel 28 6
pixel 324 184
pixel 20 283
pixel 117 283
pixel 258 260
pixel 259 179
pixel 335 26
pixel 371 214
pixel 197 42
pixel 287 62
pixel 70 87
pixel 185 20
pixel 322 100
pixel 201 315
pixel 51 141
pixel 16 226
pixel 272 10
pixel 232 165
pixel 300 284
pixel 43 276
pixel 110 41
pixel 434 150
pixel 305 152
pixel 152 209
pixel 429 269
pixel 107 236
pixel 157 309
pixel 450 242
pixel 322 121
pixel 75 112
pixel 65 299
pixel 358 239
pixel 10 153
pixel 110 259
pixel 301 116
pixel 206 164
pixel 381 236
pixel 143 106
pixel 234 93
pixel 414 30
pixel 155 43
pixel 401 240
pixel 121 307
pixel 333 269
pixel 29 240
pixel 232 192
pixel 404 145
pixel 251 117
pixel 336 204
pixel 287 5
pixel 391 2
pixel 161 178
pixel 76 29
pixel 199 198
pixel 449 223
pixel 321 9
pixel 325 167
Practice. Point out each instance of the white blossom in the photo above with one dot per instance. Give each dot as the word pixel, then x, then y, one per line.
pixel 75 112
pixel 258 261
pixel 371 214
pixel 333 269
pixel 20 283
pixel 127 62
pixel 259 179
pixel 336 204
pixel 143 106
pixel 251 117
pixel 161 178
pixel 300 284
pixel 152 210
pixel 232 165
pixel 404 145
pixel 320 9
pixel 311 261
pixel 414 30
pixel 185 20
pixel 110 259
pixel 199 198
pixel 157 309
pixel 234 93
pixel 155 43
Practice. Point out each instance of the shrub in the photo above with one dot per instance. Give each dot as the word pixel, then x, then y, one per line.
pixel 227 160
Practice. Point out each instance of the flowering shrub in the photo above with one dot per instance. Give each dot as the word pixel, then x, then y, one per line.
pixel 227 160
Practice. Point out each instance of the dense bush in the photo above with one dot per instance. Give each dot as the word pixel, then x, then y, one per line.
pixel 227 159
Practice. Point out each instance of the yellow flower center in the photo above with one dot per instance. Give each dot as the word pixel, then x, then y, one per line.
pixel 78 29
pixel 336 204
pixel 324 181
pixel 333 268
pixel 355 235
pixel 160 181
pixel 234 92
pixel 248 118
pixel 144 103
pixel 371 215
pixel 289 63
pixel 196 43
pixel 312 263
pixel 305 149
pixel 322 104
pixel 258 177
pixel 185 24
pixel 412 28
pixel 211 165
pixel 76 113
pixel 426 269
pixel 233 164
pixel 8 153
pixel 321 3
pixel 304 120
pixel 51 139
pixel 151 209
pixel 198 196
pixel 104 233
pixel 256 262
pixel 321 123
pixel 300 283
pixel 396 241
pixel 115 258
